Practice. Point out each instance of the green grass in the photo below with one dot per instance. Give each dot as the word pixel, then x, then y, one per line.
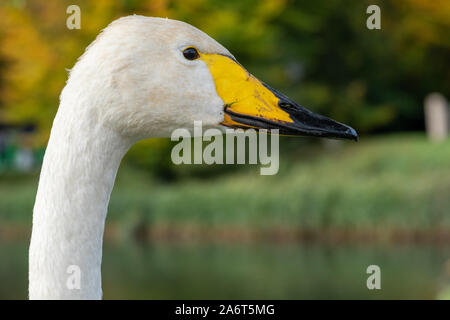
pixel 386 183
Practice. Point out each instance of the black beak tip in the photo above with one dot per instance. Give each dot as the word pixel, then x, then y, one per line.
pixel 352 134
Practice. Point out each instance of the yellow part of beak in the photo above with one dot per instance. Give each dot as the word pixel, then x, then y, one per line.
pixel 248 103
pixel 241 92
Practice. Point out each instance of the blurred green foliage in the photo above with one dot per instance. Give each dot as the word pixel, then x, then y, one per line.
pixel 322 55
pixel 381 185
pixel 319 52
pixel 388 186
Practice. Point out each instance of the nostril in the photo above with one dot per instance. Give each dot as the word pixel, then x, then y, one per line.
pixel 284 104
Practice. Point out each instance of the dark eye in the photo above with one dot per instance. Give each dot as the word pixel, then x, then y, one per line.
pixel 191 53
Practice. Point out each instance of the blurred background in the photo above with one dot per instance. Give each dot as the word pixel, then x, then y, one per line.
pixel 334 208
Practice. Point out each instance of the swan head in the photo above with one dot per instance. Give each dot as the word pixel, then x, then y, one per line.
pixel 145 77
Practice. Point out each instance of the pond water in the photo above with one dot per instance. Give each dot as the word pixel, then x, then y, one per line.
pixel 256 271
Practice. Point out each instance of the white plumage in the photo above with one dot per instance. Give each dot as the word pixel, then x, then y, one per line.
pixel 131 83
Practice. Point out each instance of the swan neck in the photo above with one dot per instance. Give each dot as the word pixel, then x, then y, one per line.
pixel 77 177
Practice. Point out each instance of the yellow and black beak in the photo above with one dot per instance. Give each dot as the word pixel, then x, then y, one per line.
pixel 249 103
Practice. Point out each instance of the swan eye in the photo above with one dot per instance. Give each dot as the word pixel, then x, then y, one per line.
pixel 191 53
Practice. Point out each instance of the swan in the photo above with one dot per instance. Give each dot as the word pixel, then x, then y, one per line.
pixel 141 77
